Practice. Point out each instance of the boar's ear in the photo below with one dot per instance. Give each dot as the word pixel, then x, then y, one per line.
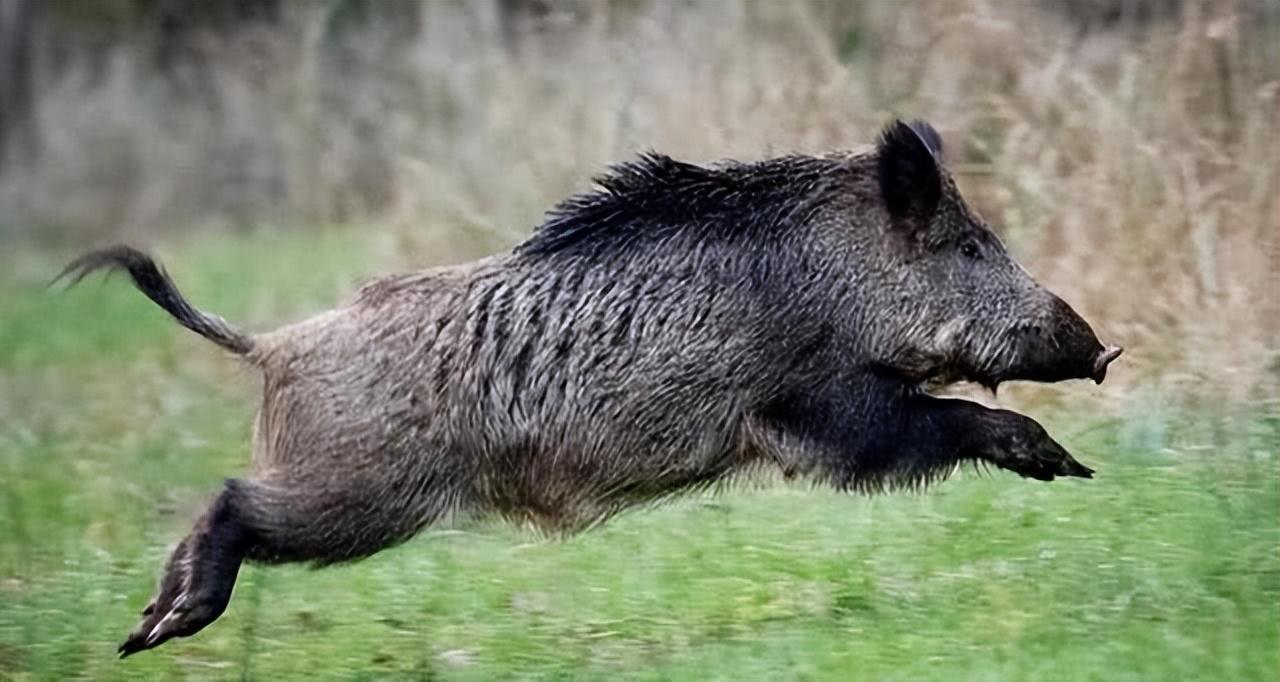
pixel 910 178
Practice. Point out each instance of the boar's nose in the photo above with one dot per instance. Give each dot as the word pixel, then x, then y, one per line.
pixel 1104 358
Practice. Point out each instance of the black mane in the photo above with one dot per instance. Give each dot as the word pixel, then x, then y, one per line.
pixel 656 196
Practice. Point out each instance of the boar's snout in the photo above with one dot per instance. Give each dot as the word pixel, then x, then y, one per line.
pixel 1058 344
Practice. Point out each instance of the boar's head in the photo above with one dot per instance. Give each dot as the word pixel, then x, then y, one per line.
pixel 947 301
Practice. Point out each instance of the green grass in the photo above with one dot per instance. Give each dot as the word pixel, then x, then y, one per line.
pixel 115 427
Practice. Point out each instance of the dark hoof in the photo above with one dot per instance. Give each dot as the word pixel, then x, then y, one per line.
pixel 1048 468
pixel 192 594
pixel 1073 468
pixel 1019 444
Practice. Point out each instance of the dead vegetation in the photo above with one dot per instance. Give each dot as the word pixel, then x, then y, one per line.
pixel 1127 148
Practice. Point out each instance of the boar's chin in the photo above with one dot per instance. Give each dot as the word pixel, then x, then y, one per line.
pixel 942 379
pixel 991 380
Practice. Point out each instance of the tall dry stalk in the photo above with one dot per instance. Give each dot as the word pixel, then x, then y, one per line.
pixel 1131 162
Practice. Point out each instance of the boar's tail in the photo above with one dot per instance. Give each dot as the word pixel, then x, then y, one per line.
pixel 152 280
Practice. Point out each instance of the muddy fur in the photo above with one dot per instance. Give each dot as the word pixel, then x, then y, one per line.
pixel 675 327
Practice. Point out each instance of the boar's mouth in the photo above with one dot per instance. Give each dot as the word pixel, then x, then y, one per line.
pixel 1092 367
pixel 1084 366
pixel 1052 345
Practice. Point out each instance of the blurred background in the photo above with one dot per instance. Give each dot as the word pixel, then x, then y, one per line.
pixel 275 153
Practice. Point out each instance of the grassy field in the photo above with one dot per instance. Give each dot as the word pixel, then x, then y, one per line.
pixel 115 426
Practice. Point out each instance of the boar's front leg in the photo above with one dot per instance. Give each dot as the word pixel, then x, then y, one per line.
pixel 870 434
pixel 1007 439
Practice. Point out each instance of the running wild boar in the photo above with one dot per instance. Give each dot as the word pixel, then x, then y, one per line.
pixel 675 327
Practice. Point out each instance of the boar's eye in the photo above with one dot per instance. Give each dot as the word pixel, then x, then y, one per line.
pixel 970 249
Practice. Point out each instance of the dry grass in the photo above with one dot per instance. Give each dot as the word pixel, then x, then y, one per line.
pixel 1132 166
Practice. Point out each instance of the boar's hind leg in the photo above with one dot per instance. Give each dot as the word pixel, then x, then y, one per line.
pixel 1007 439
pixel 326 521
pixel 275 522
pixel 197 580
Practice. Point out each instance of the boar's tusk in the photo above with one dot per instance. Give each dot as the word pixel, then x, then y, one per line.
pixel 1104 358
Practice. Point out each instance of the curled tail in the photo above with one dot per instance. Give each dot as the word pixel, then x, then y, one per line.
pixel 152 280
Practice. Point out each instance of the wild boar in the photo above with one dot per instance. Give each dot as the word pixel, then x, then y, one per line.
pixel 676 326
